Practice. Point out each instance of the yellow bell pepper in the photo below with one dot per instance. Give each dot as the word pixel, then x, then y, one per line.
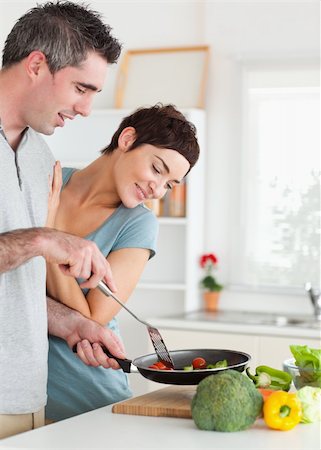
pixel 282 410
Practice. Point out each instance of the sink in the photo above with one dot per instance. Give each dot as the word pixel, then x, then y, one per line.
pixel 254 318
pixel 282 321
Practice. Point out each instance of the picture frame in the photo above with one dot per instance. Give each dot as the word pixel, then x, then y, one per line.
pixel 175 75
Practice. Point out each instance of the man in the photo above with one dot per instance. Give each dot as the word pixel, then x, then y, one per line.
pixel 54 62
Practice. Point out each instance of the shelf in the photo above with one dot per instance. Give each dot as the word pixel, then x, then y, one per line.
pixel 162 286
pixel 172 220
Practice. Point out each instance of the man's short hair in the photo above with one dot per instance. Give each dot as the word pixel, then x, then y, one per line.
pixel 64 31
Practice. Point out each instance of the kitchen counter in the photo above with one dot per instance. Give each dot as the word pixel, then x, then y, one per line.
pixel 257 323
pixel 101 429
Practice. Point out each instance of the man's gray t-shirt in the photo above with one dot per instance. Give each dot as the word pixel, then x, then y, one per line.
pixel 24 182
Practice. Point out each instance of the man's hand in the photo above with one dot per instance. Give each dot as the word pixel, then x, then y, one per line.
pixel 89 331
pixel 76 256
pixel 93 355
pixel 85 333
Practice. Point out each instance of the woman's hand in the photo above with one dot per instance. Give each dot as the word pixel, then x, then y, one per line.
pixel 55 184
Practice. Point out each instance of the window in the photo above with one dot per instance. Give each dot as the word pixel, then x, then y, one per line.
pixel 280 187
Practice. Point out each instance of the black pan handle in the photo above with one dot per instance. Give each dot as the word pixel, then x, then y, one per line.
pixel 125 363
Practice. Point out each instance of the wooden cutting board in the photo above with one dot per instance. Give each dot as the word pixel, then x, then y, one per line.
pixel 172 401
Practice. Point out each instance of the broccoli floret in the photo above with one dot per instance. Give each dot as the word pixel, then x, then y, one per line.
pixel 226 401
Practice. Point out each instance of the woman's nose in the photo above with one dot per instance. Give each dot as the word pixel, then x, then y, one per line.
pixel 157 189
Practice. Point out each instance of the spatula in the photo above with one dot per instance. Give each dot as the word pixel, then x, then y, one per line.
pixel 154 334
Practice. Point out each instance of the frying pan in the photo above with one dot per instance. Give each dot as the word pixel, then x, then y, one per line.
pixel 181 358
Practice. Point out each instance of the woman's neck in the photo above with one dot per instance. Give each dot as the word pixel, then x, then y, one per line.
pixel 95 184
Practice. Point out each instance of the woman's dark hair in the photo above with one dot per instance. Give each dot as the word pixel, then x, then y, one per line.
pixel 64 31
pixel 162 126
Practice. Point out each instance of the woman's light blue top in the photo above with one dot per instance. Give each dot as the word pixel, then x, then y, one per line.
pixel 73 387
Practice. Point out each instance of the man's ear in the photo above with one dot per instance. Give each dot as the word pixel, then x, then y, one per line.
pixel 35 63
pixel 126 138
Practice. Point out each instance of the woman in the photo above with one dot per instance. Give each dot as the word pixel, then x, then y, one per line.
pixel 152 150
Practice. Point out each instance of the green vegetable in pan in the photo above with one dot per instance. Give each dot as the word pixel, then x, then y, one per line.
pixel 200 363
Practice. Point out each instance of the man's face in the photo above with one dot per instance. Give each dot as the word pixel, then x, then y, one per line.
pixel 54 98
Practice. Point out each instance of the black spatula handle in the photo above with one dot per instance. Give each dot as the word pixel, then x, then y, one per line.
pixel 125 363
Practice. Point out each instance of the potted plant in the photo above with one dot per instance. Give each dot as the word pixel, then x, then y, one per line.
pixel 211 288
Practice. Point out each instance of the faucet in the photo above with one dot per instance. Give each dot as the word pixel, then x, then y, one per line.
pixel 315 296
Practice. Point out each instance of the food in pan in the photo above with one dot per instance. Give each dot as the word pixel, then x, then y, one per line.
pixel 197 364
pixel 200 363
pixel 159 365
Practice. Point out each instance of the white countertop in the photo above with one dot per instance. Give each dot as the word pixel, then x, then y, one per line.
pixel 101 429
pixel 242 322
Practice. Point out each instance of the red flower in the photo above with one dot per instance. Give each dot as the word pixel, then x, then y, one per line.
pixel 209 258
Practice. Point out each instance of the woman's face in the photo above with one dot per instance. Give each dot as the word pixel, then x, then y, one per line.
pixel 148 172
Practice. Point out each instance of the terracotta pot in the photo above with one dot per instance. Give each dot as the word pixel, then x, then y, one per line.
pixel 211 300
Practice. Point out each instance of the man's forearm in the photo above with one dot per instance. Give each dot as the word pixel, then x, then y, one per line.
pixel 18 246
pixel 77 257
pixel 62 320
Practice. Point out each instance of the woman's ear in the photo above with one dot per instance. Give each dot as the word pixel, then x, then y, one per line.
pixel 126 138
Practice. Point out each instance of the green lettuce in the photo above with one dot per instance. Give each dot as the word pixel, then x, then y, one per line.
pixel 309 362
pixel 310 398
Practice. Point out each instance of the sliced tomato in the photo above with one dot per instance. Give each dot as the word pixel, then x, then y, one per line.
pixel 199 363
pixel 159 365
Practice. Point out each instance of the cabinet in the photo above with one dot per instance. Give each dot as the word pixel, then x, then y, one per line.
pixel 171 278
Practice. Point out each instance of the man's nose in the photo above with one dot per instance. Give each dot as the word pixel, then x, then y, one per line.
pixel 83 107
